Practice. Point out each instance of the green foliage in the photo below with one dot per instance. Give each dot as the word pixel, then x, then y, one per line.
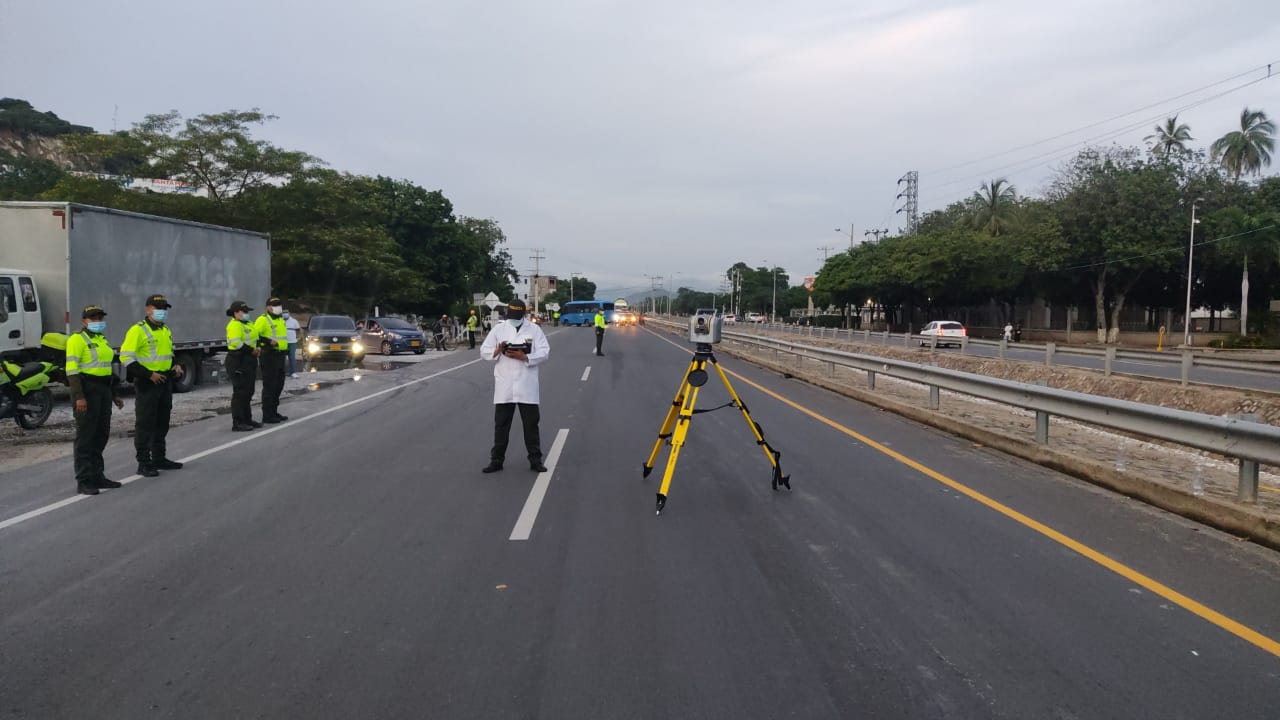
pixel 19 116
pixel 1250 342
pixel 575 288
pixel 23 178
pixel 1247 150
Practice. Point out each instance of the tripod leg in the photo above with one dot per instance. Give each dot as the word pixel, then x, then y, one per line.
pixel 677 441
pixel 775 457
pixel 670 422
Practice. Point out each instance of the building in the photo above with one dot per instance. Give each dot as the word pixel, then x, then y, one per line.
pixel 534 288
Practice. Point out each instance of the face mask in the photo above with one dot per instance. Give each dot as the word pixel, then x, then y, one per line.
pixel 285 316
pixel 159 315
pixel 97 326
pixel 516 322
pixel 276 309
pixel 245 317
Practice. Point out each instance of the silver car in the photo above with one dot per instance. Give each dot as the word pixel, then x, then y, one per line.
pixel 947 332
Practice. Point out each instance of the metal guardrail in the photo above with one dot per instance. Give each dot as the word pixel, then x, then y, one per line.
pixel 1187 359
pixel 1251 443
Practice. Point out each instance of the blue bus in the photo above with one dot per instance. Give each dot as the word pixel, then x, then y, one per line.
pixel 583 312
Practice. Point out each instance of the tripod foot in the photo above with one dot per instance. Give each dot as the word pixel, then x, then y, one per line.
pixel 647 469
pixel 780 479
pixel 662 502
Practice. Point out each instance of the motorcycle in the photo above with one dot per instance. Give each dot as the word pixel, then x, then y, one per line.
pixel 24 395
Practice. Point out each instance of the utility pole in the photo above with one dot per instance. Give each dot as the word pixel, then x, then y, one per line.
pixel 911 200
pixel 535 283
pixel 877 234
pixel 850 234
pixel 826 250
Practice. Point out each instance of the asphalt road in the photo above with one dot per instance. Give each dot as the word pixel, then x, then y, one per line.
pixel 354 563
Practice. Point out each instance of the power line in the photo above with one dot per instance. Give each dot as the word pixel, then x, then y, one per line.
pixel 1165 250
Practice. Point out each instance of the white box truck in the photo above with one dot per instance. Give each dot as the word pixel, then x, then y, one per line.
pixel 57 257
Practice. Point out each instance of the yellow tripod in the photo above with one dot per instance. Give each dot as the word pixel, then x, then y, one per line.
pixel 676 426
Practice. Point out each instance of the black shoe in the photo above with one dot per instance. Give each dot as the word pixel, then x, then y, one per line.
pixel 86 489
pixel 537 466
pixel 167 464
pixel 599 354
pixel 242 427
pixel 491 467
pixel 255 423
pixel 148 471
pixel 281 418
pixel 106 484
pixel 271 420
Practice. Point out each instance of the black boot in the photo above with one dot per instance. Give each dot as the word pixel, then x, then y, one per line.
pixel 167 464
pixel 106 484
pixel 86 488
pixel 493 466
pixel 147 470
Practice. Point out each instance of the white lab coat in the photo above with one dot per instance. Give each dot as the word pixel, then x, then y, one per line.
pixel 515 381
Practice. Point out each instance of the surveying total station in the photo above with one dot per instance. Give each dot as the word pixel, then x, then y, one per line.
pixel 705 329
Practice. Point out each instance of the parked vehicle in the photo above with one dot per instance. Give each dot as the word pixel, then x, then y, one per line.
pixel 730 319
pixel 332 339
pixel 754 317
pixel 77 255
pixel 392 335
pixel 583 312
pixel 947 332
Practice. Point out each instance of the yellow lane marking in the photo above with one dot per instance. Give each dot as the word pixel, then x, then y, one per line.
pixel 1239 630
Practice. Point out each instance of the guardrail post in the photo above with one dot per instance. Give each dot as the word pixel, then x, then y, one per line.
pixel 1042 427
pixel 935 397
pixel 933 343
pixel 1108 358
pixel 886 338
pixel 964 344
pixel 906 339
pixel 871 379
pixel 1049 350
pixel 831 369
pixel 1248 490
pixel 866 335
pixel 1187 360
pixel 1004 345
pixel 799 360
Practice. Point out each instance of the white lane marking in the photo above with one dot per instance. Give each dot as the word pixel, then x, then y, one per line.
pixel 524 524
pixel 586 373
pixel 239 441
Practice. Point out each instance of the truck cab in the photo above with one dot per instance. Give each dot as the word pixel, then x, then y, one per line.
pixel 20 325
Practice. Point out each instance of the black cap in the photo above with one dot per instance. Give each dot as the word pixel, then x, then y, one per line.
pixel 158 301
pixel 92 311
pixel 238 306
pixel 517 304
pixel 272 301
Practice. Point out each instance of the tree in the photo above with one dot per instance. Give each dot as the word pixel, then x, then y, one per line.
pixel 573 288
pixel 24 178
pixel 19 116
pixel 1172 137
pixel 1247 150
pixel 994 205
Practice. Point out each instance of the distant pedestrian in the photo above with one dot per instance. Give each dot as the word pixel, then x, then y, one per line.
pixel 292 330
pixel 93 391
pixel 1008 331
pixel 242 365
pixel 600 325
pixel 517 346
pixel 438 330
pixel 472 325
pixel 273 346
pixel 147 355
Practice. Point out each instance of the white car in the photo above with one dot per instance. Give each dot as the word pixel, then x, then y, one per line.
pixel 730 319
pixel 947 332
pixel 755 317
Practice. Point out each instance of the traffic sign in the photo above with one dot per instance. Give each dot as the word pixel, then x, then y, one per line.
pixel 492 301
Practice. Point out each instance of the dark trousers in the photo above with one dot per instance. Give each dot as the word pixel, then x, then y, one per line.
pixel 243 370
pixel 272 362
pixel 152 405
pixel 502 416
pixel 599 340
pixel 93 427
pixel 471 338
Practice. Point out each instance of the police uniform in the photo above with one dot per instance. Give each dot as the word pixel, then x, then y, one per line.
pixel 242 366
pixel 88 368
pixel 147 352
pixel 273 344
pixel 515 384
pixel 473 324
pixel 600 325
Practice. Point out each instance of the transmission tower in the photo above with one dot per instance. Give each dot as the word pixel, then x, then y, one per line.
pixel 877 234
pixel 911 200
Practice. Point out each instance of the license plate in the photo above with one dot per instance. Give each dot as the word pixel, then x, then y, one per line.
pixel 335 347
pixel 415 343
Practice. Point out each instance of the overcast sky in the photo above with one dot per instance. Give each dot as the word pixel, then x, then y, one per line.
pixel 628 139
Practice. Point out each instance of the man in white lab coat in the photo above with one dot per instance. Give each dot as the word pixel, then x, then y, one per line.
pixel 517 346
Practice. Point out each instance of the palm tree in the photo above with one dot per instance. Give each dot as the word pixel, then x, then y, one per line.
pixel 1248 149
pixel 1170 137
pixel 993 205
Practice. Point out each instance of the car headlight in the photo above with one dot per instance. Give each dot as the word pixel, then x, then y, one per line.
pixel 357 348
pixel 393 336
pixel 313 348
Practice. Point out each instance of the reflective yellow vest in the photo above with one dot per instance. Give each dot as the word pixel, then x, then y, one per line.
pixel 600 320
pixel 240 334
pixel 472 323
pixel 90 354
pixel 152 348
pixel 272 328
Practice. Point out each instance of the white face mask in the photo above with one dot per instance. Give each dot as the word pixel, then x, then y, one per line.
pixel 516 323
pixel 276 309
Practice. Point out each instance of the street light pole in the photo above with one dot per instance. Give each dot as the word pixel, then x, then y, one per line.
pixel 1191 248
pixel 775 295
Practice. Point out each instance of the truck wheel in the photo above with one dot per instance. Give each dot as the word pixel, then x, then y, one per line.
pixel 190 373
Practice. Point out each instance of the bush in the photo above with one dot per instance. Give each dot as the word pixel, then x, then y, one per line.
pixel 1245 342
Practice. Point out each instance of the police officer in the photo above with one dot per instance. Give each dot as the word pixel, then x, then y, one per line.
pixel 93 390
pixel 147 354
pixel 600 325
pixel 473 324
pixel 242 365
pixel 273 342
pixel 515 383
